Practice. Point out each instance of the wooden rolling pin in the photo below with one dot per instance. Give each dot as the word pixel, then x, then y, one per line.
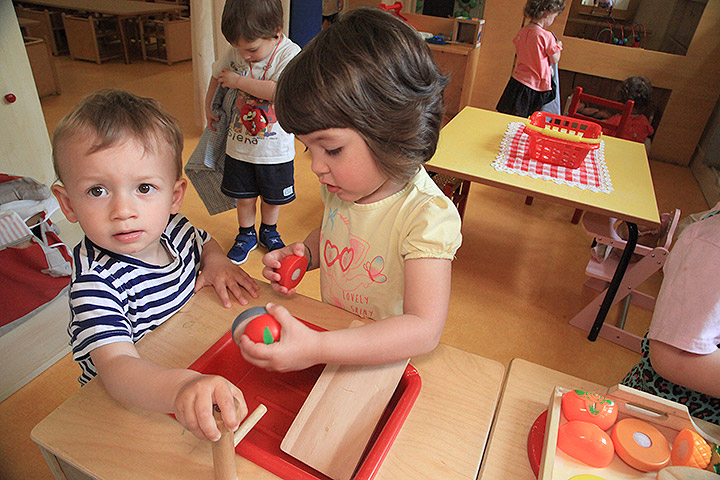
pixel 223 450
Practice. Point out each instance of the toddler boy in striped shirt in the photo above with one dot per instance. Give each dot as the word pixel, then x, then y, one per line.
pixel 118 158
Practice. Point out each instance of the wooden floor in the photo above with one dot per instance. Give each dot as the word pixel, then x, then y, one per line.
pixel 517 280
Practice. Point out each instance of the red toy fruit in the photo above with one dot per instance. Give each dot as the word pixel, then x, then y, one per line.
pixel 258 325
pixel 589 407
pixel 586 442
pixel 292 268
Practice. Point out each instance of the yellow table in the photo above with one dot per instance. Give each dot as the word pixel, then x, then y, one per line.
pixel 470 142
pixel 91 436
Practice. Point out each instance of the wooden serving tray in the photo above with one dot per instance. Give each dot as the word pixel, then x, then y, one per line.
pixel 668 417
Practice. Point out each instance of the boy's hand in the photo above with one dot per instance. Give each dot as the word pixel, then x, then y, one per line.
pixel 193 406
pixel 217 270
pixel 230 79
pixel 294 351
pixel 211 118
pixel 271 260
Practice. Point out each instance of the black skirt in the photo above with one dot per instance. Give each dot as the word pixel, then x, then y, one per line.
pixel 521 100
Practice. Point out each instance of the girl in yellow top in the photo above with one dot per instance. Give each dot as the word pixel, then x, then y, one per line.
pixel 365 97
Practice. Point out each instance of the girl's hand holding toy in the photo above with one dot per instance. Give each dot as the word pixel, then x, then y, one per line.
pixel 285 267
pixel 290 349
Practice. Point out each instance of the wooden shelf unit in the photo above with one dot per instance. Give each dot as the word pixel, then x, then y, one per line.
pixel 457 58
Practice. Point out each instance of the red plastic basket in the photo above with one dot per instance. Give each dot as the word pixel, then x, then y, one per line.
pixel 560 140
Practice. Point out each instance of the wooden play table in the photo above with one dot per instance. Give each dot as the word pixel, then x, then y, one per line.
pixel 92 436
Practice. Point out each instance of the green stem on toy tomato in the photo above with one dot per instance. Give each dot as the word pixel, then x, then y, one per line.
pixel 267 336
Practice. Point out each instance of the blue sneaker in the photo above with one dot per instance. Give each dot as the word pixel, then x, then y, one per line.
pixel 270 239
pixel 244 244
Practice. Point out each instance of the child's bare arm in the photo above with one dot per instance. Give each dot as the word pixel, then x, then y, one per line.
pixel 264 89
pixel 217 270
pixel 696 372
pixel 209 115
pixel 189 395
pixel 415 332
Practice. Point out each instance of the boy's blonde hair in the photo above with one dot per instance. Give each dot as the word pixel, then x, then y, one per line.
pixel 536 9
pixel 251 19
pixel 371 72
pixel 111 116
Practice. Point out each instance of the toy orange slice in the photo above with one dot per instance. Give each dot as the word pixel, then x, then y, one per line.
pixel 640 445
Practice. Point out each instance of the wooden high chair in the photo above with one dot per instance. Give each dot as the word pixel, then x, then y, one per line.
pixel 647 260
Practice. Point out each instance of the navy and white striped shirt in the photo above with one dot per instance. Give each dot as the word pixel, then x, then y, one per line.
pixel 118 298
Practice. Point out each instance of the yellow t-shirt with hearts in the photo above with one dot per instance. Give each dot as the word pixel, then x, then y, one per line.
pixel 363 247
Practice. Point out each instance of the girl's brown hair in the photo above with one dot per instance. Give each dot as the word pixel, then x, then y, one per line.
pixel 371 72
pixel 535 9
pixel 111 116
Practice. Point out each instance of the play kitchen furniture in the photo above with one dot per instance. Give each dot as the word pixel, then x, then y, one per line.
pixel 92 436
pixel 526 395
pixel 471 142
pixel 121 9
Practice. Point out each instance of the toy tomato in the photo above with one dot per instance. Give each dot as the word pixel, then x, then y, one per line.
pixel 292 268
pixel 586 442
pixel 589 407
pixel 258 325
pixel 263 329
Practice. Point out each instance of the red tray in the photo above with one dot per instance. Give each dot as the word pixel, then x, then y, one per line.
pixel 283 394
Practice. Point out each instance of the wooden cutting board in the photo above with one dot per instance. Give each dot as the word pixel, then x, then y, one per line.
pixel 334 425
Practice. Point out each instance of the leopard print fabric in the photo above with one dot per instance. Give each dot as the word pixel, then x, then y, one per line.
pixel 644 377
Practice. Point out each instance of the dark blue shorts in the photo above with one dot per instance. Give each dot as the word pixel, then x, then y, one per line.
pixel 274 183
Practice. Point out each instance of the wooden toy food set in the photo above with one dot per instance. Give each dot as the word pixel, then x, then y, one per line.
pixel 623 434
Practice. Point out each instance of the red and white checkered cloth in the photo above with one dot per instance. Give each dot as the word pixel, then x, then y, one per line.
pixel 591 175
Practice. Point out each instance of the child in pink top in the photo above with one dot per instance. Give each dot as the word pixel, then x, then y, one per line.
pixel 637 89
pixel 531 85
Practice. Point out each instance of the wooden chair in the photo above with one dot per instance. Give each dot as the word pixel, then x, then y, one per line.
pixel 607 128
pixel 647 259
pixel 93 38
pixel 42 65
pixel 166 40
pixel 456 189
pixel 49 27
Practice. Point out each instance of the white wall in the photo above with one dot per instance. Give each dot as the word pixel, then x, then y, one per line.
pixel 24 140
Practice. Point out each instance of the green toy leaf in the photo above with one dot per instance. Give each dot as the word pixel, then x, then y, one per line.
pixel 267 336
